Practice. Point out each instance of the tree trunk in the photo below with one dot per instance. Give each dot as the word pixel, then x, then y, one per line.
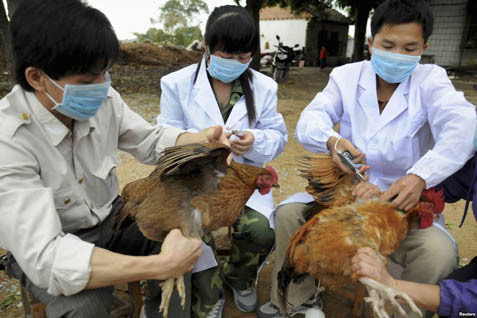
pixel 360 32
pixel 5 43
pixel 253 7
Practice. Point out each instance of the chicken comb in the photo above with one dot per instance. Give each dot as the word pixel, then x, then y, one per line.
pixel 273 173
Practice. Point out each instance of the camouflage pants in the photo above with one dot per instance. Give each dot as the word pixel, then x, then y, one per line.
pixel 252 240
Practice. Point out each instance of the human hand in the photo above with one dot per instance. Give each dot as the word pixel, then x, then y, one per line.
pixel 367 263
pixel 345 145
pixel 243 144
pixel 405 192
pixel 366 190
pixel 181 254
pixel 211 134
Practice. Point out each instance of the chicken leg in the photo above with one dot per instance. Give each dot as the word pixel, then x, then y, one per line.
pixel 167 290
pixel 380 294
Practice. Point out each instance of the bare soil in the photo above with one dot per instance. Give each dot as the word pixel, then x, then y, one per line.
pixel 138 82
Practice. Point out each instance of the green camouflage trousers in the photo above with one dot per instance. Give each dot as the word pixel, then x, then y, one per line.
pixel 252 240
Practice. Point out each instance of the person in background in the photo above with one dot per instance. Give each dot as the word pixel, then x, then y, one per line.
pixel 323 55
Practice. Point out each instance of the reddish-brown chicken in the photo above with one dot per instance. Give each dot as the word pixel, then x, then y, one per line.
pixel 192 188
pixel 324 246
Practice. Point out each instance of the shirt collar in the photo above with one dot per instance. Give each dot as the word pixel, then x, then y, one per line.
pixel 237 87
pixel 55 129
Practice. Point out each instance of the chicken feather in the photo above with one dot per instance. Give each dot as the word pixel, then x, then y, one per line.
pixel 324 246
pixel 192 189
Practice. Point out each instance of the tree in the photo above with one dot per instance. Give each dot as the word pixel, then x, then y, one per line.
pixel 360 10
pixel 154 35
pixel 176 16
pixel 253 8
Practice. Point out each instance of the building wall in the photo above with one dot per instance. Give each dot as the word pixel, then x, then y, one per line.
pixel 291 32
pixel 469 57
pixel 445 41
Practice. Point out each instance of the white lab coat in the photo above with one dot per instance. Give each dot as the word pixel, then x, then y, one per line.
pixel 194 107
pixel 426 128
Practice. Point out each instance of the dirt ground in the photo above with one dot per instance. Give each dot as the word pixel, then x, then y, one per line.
pixel 139 85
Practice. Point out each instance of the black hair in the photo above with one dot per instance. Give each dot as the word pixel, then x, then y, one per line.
pixel 231 29
pixel 61 38
pixel 403 11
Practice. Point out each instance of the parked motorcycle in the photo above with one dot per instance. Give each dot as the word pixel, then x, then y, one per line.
pixel 282 60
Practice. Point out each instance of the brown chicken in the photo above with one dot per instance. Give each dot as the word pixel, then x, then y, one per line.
pixel 192 188
pixel 323 247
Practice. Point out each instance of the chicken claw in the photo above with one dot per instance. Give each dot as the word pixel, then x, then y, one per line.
pixel 379 294
pixel 167 289
pixel 181 290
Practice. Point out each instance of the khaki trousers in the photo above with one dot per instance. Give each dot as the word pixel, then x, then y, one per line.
pixel 427 256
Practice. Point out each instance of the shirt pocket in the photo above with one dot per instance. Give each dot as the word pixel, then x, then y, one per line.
pixel 105 185
pixel 65 201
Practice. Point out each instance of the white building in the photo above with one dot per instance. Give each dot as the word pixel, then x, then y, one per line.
pixel 310 30
pixel 278 21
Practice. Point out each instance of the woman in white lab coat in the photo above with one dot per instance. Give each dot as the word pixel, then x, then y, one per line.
pixel 222 90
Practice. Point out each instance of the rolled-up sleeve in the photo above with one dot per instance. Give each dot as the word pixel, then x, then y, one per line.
pixel 31 228
pixel 317 120
pixel 452 121
pixel 270 132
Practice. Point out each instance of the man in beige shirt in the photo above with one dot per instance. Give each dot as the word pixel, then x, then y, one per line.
pixel 60 129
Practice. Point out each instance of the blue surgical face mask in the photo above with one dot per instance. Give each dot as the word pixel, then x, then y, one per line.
pixel 226 70
pixel 81 102
pixel 393 67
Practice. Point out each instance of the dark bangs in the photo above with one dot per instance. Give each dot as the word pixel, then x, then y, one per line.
pixel 396 12
pixel 233 32
pixel 61 38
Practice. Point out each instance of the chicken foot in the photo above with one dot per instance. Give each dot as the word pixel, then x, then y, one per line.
pixel 181 290
pixel 166 293
pixel 167 290
pixel 379 294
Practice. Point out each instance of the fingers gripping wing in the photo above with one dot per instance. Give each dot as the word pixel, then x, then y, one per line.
pixel 190 159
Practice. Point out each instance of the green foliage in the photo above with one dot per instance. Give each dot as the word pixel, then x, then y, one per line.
pixel 176 17
pixel 154 35
pixel 181 36
pixel 10 300
pixel 176 14
pixel 185 35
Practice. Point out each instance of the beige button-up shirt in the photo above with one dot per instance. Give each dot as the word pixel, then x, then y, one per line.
pixel 54 182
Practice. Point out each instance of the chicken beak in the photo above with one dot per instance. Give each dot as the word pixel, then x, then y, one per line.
pixel 276 186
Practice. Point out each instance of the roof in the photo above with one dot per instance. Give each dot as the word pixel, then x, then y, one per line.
pixel 277 13
pixel 326 14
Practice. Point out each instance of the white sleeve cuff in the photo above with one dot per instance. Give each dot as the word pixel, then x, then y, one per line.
pixel 71 268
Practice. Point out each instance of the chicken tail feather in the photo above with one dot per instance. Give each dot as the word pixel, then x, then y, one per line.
pixel 325 179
